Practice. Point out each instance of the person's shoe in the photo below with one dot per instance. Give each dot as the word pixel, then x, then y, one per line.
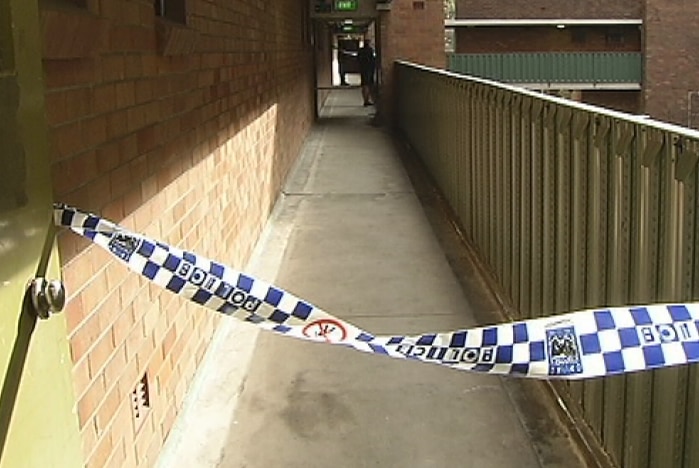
pixel 368 103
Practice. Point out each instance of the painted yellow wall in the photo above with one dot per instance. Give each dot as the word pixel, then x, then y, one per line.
pixel 38 424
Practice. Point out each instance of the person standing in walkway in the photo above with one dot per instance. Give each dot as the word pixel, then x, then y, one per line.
pixel 343 57
pixel 367 70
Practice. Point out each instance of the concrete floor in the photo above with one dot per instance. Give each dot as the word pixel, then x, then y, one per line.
pixel 351 236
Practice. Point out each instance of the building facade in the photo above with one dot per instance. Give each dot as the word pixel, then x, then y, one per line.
pixel 631 55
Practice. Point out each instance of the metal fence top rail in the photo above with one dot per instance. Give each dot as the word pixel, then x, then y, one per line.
pixel 600 111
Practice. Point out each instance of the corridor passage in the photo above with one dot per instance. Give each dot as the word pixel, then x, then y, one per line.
pixel 351 236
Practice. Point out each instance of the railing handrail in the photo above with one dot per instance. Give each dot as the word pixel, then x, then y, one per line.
pixel 631 118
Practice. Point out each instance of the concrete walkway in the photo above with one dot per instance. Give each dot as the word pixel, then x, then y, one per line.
pixel 351 236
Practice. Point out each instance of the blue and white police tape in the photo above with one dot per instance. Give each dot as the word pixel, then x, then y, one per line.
pixel 577 345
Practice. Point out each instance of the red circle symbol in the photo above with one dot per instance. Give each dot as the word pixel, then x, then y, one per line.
pixel 330 330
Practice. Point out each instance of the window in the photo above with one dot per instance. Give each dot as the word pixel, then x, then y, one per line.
pixel 174 37
pixel 173 10
pixel 615 37
pixel 578 36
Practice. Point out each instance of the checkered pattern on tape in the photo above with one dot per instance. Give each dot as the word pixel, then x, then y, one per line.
pixel 607 341
pixel 504 349
pixel 70 217
pixel 233 293
pixel 615 341
pixel 197 278
pixel 515 348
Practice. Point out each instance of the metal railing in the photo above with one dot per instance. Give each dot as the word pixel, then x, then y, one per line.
pixel 572 207
pixel 593 68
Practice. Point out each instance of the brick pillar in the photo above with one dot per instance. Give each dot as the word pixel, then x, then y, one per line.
pixel 413 31
pixel 671 60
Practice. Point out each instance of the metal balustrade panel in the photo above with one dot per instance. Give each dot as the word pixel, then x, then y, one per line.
pixel 595 286
pixel 489 181
pixel 669 385
pixel 524 305
pixel 506 183
pixel 547 161
pixel 562 188
pixel 536 220
pixel 691 451
pixel 573 207
pixel 515 157
pixel 580 133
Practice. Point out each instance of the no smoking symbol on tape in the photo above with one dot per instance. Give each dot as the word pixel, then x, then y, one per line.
pixel 330 330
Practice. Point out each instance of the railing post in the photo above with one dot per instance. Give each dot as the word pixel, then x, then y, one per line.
pixel 580 133
pixel 515 118
pixel 536 155
pixel 506 244
pixel 643 254
pixel 526 219
pixel 563 210
pixel 490 181
pixel 593 396
pixel 620 135
pixel 548 215
pixel 670 385
pixel 498 189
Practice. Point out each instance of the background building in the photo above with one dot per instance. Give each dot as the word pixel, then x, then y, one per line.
pixel 631 55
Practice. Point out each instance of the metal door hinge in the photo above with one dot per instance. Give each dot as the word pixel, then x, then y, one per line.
pixel 47 296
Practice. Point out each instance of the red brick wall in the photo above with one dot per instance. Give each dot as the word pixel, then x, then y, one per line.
pixel 671 58
pixel 625 101
pixel 189 149
pixel 323 61
pixel 549 9
pixel 540 39
pixel 412 31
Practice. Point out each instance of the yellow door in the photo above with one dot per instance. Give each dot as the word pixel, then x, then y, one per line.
pixel 38 424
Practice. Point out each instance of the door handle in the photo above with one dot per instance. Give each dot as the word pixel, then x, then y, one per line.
pixel 47 296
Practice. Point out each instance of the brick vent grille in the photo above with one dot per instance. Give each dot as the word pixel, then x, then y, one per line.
pixel 140 401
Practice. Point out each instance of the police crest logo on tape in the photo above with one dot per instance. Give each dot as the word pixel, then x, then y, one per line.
pixel 123 245
pixel 563 349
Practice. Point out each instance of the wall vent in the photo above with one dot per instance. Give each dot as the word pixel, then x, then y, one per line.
pixel 140 401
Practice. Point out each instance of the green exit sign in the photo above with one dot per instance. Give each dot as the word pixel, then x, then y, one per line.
pixel 346 5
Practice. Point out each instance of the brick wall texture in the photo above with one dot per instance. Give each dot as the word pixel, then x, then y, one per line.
pixel 671 59
pixel 411 31
pixel 515 9
pixel 547 38
pixel 190 149
pixel 625 101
